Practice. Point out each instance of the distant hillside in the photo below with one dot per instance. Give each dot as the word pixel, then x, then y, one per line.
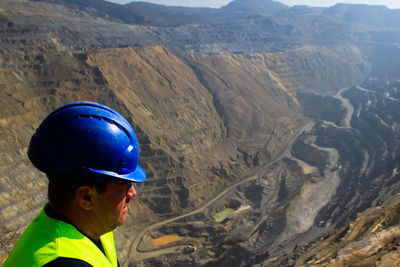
pixel 254 7
pixel 103 9
pixel 375 16
pixel 173 16
pixel 240 27
pixel 143 13
pixel 152 14
pixel 302 10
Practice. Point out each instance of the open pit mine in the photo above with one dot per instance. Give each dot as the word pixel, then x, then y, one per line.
pixel 270 134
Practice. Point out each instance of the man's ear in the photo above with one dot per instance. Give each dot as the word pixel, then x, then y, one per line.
pixel 85 196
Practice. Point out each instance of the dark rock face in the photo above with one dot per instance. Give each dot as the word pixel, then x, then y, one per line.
pixel 251 157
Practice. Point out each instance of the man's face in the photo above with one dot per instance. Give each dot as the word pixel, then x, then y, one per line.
pixel 111 206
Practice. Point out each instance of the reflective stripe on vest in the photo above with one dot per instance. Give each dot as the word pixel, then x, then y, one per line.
pixel 46 239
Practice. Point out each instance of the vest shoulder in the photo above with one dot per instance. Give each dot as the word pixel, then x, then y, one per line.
pixel 46 239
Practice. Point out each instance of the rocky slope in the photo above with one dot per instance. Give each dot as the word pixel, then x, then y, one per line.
pixel 250 157
pixel 370 240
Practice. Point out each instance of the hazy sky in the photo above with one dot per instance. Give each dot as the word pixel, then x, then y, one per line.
pixel 219 3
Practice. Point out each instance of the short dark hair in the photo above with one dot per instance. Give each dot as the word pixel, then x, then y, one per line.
pixel 62 188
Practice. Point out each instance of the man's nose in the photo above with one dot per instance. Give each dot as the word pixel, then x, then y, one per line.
pixel 131 192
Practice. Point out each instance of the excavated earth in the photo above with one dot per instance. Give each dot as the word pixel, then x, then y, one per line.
pixel 253 159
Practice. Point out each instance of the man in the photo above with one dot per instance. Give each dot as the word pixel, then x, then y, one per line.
pixel 90 155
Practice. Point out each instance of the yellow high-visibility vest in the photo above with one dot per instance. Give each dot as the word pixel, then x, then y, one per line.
pixel 46 239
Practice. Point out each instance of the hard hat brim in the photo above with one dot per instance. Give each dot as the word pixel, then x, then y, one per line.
pixel 137 176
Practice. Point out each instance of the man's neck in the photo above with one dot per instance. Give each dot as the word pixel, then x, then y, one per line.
pixel 78 218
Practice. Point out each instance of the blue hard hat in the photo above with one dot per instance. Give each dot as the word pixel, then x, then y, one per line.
pixel 87 139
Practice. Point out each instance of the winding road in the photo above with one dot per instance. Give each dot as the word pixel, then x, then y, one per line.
pixel 349 108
